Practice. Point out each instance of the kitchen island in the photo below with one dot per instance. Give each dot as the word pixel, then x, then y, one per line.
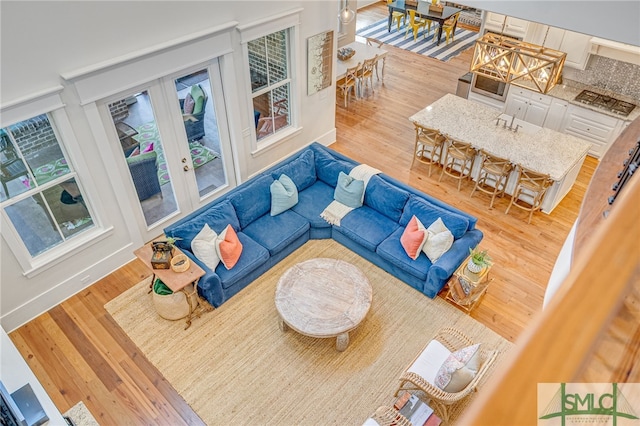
pixel 543 150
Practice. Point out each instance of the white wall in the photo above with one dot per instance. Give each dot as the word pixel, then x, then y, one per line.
pixel 612 20
pixel 43 40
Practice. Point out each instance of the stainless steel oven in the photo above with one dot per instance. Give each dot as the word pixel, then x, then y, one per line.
pixel 486 86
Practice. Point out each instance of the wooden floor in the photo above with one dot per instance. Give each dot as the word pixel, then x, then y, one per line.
pixel 79 353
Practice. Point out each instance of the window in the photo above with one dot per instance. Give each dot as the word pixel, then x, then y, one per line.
pixel 270 73
pixel 40 194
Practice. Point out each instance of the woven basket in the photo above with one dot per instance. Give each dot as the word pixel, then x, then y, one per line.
pixel 177 305
pixel 180 263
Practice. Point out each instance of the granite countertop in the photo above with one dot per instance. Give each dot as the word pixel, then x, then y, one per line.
pixel 543 150
pixel 571 88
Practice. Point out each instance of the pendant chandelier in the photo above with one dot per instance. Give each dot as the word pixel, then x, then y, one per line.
pixel 347 14
pixel 517 62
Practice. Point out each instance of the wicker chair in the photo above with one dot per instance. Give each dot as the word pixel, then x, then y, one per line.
pixel 144 173
pixel 441 401
pixel 387 416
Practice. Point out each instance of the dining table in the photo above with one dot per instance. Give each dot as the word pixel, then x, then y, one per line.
pixel 422 8
pixel 362 51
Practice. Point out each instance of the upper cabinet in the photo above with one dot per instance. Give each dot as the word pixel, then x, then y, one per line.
pixel 577 46
pixel 506 25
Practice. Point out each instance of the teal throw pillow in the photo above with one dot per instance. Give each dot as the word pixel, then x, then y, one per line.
pixel 284 195
pixel 349 191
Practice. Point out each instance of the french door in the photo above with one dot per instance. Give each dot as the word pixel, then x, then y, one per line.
pixel 172 141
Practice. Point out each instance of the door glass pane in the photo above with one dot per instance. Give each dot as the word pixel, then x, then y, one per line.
pixel 47 219
pixel 142 149
pixel 201 131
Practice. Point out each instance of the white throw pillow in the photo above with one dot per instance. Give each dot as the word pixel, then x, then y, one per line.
pixel 439 241
pixel 203 247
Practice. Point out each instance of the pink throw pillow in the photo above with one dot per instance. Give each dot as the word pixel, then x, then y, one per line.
pixel 149 148
pixel 413 238
pixel 229 247
pixel 189 104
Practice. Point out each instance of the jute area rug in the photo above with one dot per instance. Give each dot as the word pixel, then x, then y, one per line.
pixel 235 366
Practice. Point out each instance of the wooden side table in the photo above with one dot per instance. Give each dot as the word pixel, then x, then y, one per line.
pixel 467 288
pixel 177 281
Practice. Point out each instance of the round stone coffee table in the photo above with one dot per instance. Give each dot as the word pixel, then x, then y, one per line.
pixel 323 298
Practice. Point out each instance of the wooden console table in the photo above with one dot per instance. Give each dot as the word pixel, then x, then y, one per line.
pixel 177 281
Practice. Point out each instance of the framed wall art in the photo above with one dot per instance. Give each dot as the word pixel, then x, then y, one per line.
pixel 319 62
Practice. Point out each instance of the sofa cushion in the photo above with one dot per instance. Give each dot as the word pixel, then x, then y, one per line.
pixel 276 232
pixel 228 247
pixel 203 247
pixel 252 200
pixel 385 198
pixel 349 191
pixel 439 240
pixel 392 251
pixel 413 238
pixel 284 195
pixel 302 170
pixel 428 213
pixel 312 201
pixel 328 167
pixel 455 373
pixel 217 217
pixel 367 227
pixel 253 255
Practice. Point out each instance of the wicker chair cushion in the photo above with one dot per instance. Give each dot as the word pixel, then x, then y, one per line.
pixel 459 369
pixel 430 361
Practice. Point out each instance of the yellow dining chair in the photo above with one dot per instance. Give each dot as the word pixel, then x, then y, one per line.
pixel 415 23
pixel 448 27
pixel 397 16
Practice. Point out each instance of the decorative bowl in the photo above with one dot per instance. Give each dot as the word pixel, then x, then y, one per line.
pixel 180 263
pixel 345 53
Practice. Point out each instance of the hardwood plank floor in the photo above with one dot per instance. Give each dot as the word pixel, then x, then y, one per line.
pixel 79 353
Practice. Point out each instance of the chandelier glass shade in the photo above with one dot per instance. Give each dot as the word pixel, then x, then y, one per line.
pixel 517 62
pixel 346 15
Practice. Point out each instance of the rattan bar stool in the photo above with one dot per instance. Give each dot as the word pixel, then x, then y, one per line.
pixel 493 176
pixel 429 145
pixel 460 155
pixel 532 186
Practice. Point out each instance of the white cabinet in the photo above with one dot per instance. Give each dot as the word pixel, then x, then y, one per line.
pixel 577 46
pixel 555 115
pixel 514 27
pixel 599 129
pixel 527 105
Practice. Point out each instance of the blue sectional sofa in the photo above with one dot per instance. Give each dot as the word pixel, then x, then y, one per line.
pixel 373 230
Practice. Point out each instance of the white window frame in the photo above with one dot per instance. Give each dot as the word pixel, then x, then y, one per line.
pixel 290 21
pixel 49 102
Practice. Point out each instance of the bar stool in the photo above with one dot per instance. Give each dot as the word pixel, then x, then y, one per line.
pixel 492 179
pixel 532 186
pixel 460 154
pixel 429 145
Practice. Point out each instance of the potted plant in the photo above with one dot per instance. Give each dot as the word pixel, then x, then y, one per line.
pixel 479 260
